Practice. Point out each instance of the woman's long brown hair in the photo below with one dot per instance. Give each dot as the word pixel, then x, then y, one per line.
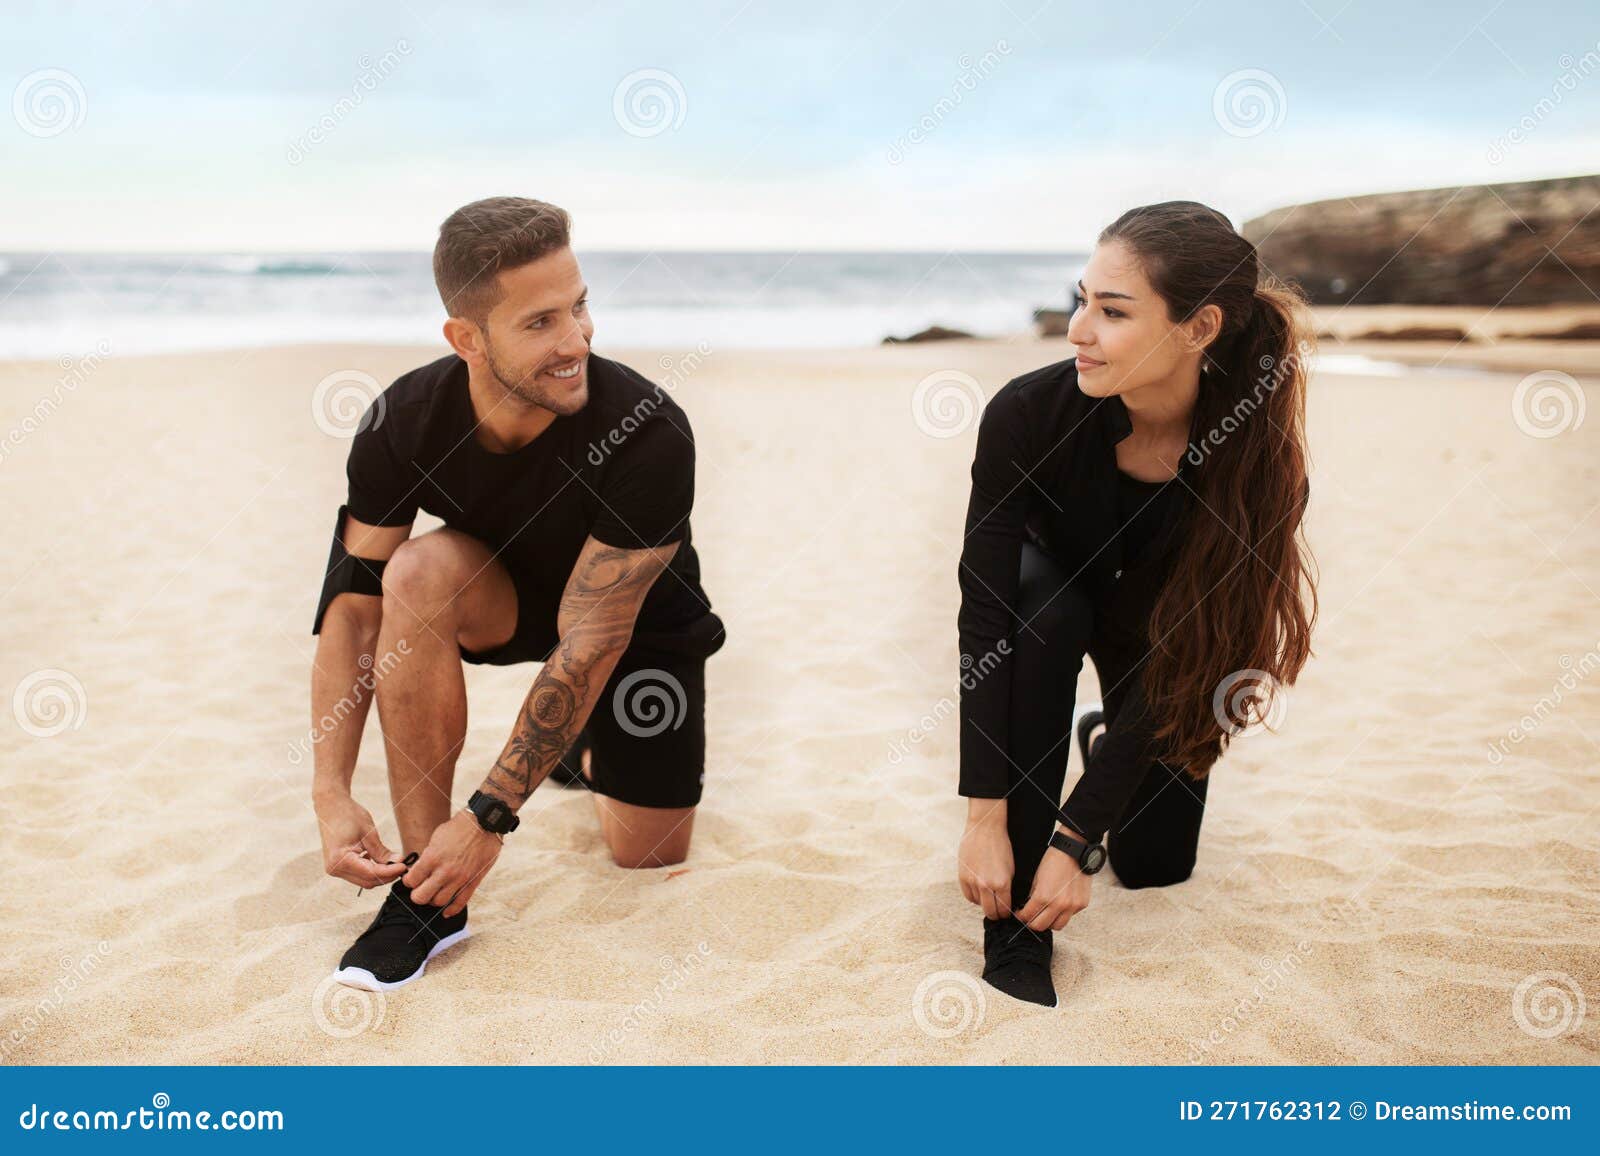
pixel 1232 625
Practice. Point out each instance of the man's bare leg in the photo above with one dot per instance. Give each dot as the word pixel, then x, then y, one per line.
pixel 441 591
pixel 642 836
pixel 645 836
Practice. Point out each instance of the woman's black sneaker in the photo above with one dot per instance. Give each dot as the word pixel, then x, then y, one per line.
pixel 1016 960
pixel 396 948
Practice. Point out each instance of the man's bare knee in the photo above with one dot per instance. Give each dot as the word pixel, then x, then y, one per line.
pixel 421 577
pixel 660 857
pixel 645 837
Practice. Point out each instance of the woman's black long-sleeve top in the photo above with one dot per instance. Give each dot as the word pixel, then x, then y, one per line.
pixel 1046 470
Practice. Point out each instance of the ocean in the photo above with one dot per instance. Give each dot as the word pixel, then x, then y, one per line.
pixel 67 304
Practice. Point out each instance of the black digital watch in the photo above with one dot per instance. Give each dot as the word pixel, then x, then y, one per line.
pixel 493 815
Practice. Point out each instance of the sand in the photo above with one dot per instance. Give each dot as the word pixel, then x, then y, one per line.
pixel 1375 883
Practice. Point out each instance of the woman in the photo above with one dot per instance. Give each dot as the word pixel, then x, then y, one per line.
pixel 1141 505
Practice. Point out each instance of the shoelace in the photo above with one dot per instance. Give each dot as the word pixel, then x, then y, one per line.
pixel 408 861
pixel 396 910
pixel 1018 944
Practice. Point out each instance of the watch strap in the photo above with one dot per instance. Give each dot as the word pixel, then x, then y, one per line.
pixel 1079 851
pixel 1071 844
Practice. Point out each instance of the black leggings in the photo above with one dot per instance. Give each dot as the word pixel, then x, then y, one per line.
pixel 1153 842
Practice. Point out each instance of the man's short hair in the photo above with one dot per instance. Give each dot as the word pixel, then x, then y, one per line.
pixel 478 240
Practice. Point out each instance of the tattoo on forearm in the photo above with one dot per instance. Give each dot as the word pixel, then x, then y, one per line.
pixel 597 613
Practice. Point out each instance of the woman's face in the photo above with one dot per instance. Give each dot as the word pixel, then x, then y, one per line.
pixel 1124 337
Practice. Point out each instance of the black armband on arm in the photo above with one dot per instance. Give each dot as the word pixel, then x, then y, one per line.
pixel 346 573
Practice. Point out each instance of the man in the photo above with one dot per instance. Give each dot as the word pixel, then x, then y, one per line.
pixel 564 481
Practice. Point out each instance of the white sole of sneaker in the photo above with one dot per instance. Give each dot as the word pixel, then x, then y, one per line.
pixel 362 978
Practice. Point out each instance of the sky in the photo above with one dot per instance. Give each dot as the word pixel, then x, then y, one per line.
pixel 753 124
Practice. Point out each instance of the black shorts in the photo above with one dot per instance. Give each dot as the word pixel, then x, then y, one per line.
pixel 647 732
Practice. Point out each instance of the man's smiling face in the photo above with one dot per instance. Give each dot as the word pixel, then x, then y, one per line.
pixel 536 338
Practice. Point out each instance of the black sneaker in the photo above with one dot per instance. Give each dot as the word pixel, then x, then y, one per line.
pixel 396 948
pixel 1016 960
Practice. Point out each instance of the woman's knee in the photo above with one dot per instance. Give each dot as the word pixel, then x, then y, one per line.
pixel 1135 873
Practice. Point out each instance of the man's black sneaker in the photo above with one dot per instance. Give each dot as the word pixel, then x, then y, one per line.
pixel 1016 960
pixel 396 948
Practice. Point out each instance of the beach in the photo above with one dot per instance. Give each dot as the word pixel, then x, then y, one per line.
pixel 1407 872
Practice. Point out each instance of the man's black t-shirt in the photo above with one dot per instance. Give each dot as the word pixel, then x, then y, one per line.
pixel 620 469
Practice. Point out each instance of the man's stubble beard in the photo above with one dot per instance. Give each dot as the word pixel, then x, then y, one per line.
pixel 524 386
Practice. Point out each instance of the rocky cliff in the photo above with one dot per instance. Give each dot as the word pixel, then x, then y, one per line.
pixel 1527 243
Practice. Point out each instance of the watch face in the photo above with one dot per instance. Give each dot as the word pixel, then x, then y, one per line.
pixel 1093 859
